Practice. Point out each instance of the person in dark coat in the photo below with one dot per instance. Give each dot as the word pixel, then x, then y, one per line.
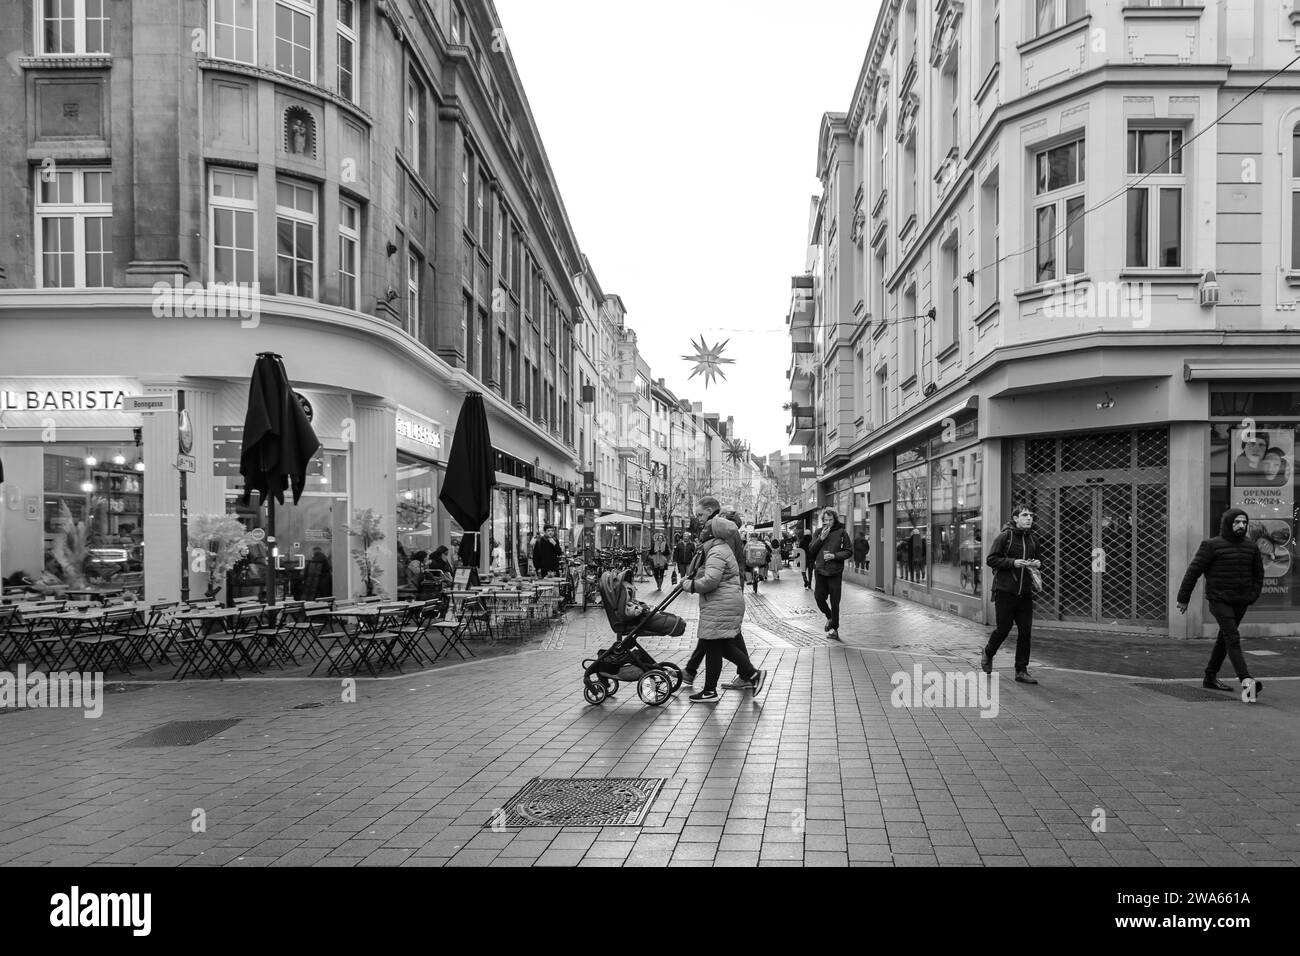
pixel 860 550
pixel 1013 553
pixel 805 542
pixel 683 552
pixel 829 549
pixel 546 554
pixel 1234 578
pixel 657 558
pixel 706 509
pixel 438 560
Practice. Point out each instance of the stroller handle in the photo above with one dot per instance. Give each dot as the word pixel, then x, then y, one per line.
pixel 672 596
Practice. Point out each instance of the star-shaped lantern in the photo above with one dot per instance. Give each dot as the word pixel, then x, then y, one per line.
pixel 736 450
pixel 708 361
pixel 805 363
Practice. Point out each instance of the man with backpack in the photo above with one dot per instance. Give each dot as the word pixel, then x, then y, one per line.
pixel 1014 558
pixel 1234 578
pixel 756 556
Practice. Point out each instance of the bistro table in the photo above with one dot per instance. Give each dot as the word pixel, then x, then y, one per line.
pixel 94 594
pixel 369 618
pixel 195 627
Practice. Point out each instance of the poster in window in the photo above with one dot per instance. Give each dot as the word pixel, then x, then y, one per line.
pixel 1263 485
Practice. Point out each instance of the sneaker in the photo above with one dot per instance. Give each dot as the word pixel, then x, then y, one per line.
pixel 704 697
pixel 758 680
pixel 1024 677
pixel 688 678
pixel 1250 688
pixel 736 683
pixel 828 627
pixel 986 662
pixel 1213 683
pixel 834 634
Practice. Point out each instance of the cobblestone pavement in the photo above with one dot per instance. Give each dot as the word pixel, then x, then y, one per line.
pixel 821 769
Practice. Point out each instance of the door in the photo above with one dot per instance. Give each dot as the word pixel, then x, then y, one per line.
pixel 312 548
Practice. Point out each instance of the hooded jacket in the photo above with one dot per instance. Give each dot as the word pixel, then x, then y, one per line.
pixel 715 577
pixel 1232 565
pixel 829 552
pixel 1007 547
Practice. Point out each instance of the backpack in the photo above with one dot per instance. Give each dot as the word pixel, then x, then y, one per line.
pixel 755 553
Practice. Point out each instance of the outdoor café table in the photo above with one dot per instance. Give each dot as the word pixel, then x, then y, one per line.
pixel 367 617
pixel 197 625
pixel 94 594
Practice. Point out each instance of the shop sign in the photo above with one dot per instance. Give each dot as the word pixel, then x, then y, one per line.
pixel 419 431
pixel 588 499
pixel 149 403
pixel 41 397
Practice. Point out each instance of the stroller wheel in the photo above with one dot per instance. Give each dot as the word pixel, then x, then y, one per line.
pixel 611 685
pixel 674 673
pixel 595 693
pixel 654 687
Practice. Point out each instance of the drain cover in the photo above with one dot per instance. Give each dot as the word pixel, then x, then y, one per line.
pixel 181 733
pixel 579 802
pixel 1187 691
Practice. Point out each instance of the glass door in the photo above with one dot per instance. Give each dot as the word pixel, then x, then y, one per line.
pixel 311 551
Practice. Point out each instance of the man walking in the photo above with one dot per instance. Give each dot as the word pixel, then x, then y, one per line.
pixel 829 550
pixel 683 552
pixel 1234 578
pixel 546 554
pixel 1014 558
pixel 804 543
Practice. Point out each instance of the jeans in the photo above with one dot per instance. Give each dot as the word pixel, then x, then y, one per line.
pixel 681 569
pixel 659 577
pixel 807 575
pixel 827 596
pixel 1229 642
pixel 1018 610
pixel 733 649
pixel 697 655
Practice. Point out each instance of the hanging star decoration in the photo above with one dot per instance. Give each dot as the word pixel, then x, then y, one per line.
pixel 736 450
pixel 805 363
pixel 708 361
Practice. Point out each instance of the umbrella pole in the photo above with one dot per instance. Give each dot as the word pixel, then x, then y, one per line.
pixel 272 557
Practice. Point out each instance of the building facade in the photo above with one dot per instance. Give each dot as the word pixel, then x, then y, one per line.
pixel 357 186
pixel 1070 240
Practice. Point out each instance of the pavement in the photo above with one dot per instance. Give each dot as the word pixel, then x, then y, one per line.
pixel 1088 768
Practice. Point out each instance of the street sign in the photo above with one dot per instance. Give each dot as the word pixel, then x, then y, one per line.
pixel 258 534
pixel 588 520
pixel 587 499
pixel 186 463
pixel 149 403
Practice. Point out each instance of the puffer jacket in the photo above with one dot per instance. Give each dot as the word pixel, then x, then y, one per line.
pixel 830 552
pixel 1011 544
pixel 716 579
pixel 1232 565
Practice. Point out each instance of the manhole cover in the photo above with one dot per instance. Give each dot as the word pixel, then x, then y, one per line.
pixel 1187 691
pixel 579 802
pixel 1263 653
pixel 181 733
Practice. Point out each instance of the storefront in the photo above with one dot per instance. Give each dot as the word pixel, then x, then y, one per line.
pixel 423 525
pixel 527 500
pixel 73 506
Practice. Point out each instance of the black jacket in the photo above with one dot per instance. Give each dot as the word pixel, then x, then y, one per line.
pixel 546 555
pixel 1232 565
pixel 683 551
pixel 1011 544
pixel 828 554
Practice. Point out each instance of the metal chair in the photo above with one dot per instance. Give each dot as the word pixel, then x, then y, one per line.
pixel 105 643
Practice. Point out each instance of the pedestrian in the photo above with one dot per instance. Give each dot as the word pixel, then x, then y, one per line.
pixel 498 556
pixel 657 558
pixel 861 548
pixel 716 579
pixel 829 550
pixel 774 560
pixel 546 554
pixel 756 555
pixel 683 552
pixel 1234 577
pixel 1015 562
pixel 706 509
pixel 805 542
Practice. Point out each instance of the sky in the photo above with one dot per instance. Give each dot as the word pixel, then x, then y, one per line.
pixel 683 138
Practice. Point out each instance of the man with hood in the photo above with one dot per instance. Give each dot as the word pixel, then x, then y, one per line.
pixel 1014 559
pixel 827 552
pixel 1234 577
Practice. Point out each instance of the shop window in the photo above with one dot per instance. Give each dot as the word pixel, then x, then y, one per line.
pixel 912 522
pixel 349 253
pixel 74 221
pixel 73 27
pixel 234 31
pixel 956 545
pixel 1058 211
pixel 1154 228
pixel 295 229
pixel 232 227
pixel 295 26
pixel 347 49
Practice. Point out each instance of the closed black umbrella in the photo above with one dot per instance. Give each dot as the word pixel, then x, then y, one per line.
pixel 471 475
pixel 278 445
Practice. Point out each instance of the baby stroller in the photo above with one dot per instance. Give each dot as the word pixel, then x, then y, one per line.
pixel 626 660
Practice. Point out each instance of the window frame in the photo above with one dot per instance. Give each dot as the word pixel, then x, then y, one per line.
pixel 1294 180
pixel 80 212
pixel 412 321
pixel 298 217
pixel 1060 200
pixel 1155 185
pixel 1060 11
pixel 413 125
pixel 350 234
pixel 79 24
pixel 236 206
pixel 346 33
pixel 305 8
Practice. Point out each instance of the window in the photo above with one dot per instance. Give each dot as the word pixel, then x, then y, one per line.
pixel 501 364
pixel 950 108
pixel 990 28
pixel 882 154
pixel 956 544
pixel 990 242
pixel 232 227
pixel 347 49
pixel 414 121
pixel 949 311
pixel 74 221
pixel 457 24
pixel 465 188
pixel 912 522
pixel 1059 198
pixel 414 266
pixel 467 329
pixel 881 413
pixel 907 337
pixel 73 27
pixel 1050 14
pixel 1155 162
pixel 1295 197
pixel 234 31
pixel 483 205
pixel 295 25
pixel 349 252
pixel 484 345
pixel 909 177
pixel 295 230
pixel 907 35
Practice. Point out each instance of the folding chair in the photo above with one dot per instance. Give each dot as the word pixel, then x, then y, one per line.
pixel 239 632
pixel 276 641
pixel 42 637
pixel 149 637
pixel 414 628
pixel 104 645
pixel 189 641
pixel 452 628
pixel 8 615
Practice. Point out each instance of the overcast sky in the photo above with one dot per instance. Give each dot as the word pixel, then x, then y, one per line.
pixel 683 136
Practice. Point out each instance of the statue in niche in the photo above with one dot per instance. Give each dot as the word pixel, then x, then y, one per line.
pixel 299 132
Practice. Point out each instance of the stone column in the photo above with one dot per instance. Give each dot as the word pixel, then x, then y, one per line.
pixel 374 482
pixel 162 500
pixel 1189 491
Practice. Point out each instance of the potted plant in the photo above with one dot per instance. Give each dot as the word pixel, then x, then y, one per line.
pixel 226 542
pixel 368 554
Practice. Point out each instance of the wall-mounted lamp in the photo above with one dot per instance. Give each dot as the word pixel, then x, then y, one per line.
pixel 1108 403
pixel 970 277
pixel 392 247
pixel 1209 290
